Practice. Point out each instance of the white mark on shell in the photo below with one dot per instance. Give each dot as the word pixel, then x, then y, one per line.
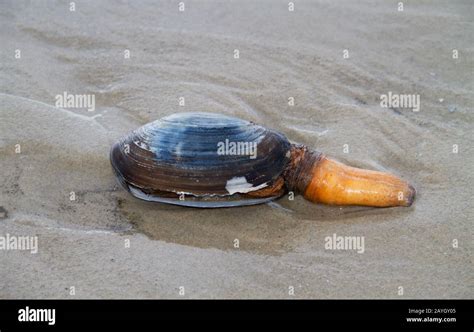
pixel 178 149
pixel 142 145
pixel 240 185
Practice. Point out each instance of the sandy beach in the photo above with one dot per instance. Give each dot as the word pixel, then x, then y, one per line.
pixel 334 59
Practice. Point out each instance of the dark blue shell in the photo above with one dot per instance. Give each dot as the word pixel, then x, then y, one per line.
pixel 182 159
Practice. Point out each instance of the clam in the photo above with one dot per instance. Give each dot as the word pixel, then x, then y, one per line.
pixel 210 160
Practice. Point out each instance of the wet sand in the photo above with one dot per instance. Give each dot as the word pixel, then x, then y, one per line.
pixel 282 54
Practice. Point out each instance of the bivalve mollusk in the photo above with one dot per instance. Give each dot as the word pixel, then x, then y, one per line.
pixel 210 160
